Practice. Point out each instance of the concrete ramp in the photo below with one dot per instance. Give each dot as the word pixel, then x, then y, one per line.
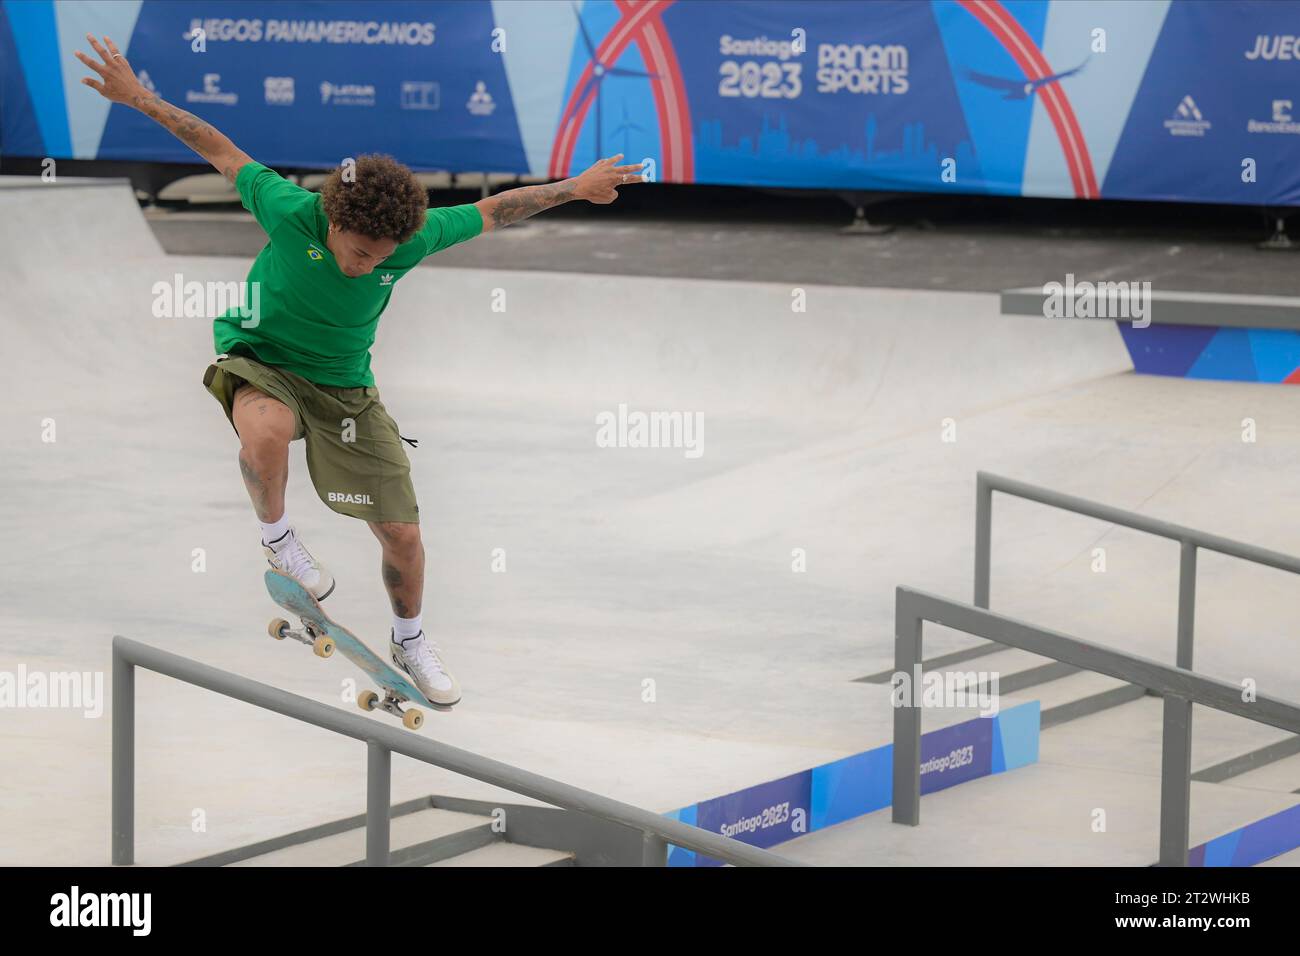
pixel 853 358
pixel 81 269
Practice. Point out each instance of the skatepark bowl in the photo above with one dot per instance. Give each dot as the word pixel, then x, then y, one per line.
pixel 657 645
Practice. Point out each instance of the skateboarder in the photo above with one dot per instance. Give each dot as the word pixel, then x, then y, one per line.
pixel 300 367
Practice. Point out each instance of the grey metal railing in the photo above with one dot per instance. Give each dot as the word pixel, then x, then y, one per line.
pixel 382 742
pixel 1179 687
pixel 1189 540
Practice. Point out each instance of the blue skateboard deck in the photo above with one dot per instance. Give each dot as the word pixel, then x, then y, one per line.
pixel 293 597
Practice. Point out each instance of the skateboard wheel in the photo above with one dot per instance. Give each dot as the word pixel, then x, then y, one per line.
pixel 366 699
pixel 277 627
pixel 323 647
pixel 413 719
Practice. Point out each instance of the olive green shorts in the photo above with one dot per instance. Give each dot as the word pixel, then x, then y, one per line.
pixel 354 451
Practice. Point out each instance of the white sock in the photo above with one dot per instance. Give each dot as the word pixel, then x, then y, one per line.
pixel 405 628
pixel 273 532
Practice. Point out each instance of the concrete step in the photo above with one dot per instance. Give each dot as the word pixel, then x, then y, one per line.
pixel 976 657
pixel 314 181
pixel 1073 692
pixel 412 837
pixel 1127 739
pixel 489 180
pixel 200 188
pixel 1260 758
pixel 214 188
pixel 1025 676
pixel 1005 663
pixel 1040 815
pixel 509 854
pixel 1281 775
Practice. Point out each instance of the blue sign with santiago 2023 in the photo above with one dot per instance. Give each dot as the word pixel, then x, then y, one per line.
pixel 770 813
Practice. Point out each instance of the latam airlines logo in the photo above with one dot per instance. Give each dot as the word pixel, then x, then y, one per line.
pixel 1187 119
pixel 347 94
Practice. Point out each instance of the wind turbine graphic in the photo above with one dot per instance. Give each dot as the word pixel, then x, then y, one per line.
pixel 600 70
pixel 627 127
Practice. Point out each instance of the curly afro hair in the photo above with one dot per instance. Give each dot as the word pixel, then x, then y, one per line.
pixel 383 201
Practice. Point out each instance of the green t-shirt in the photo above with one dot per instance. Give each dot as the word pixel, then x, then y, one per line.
pixel 310 318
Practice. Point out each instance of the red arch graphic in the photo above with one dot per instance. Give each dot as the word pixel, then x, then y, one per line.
pixel 1034 65
pixel 639 23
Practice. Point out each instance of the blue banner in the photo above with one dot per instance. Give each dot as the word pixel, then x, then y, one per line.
pixel 1190 100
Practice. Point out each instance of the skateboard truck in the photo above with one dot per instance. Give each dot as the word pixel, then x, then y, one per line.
pixel 412 719
pixel 323 645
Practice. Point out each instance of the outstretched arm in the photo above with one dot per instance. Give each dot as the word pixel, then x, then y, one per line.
pixel 118 83
pixel 599 184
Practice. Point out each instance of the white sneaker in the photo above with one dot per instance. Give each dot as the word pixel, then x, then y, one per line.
pixel 418 657
pixel 290 556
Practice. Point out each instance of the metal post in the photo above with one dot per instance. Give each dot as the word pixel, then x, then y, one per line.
pixel 123 760
pixel 1186 603
pixel 1175 781
pixel 983 538
pixel 654 850
pixel 379 780
pixel 907 716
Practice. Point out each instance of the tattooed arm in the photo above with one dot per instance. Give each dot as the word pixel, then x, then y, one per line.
pixel 599 184
pixel 118 83
pixel 205 140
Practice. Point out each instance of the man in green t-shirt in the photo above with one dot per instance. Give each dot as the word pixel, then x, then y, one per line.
pixel 294 358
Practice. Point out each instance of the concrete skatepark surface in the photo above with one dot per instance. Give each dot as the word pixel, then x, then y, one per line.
pixel 823 431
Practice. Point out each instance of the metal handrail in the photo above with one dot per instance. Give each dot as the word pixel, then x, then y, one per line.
pixel 382 742
pixel 1189 539
pixel 1179 687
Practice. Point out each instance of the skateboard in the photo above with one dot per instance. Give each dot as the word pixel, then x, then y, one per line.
pixel 324 635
